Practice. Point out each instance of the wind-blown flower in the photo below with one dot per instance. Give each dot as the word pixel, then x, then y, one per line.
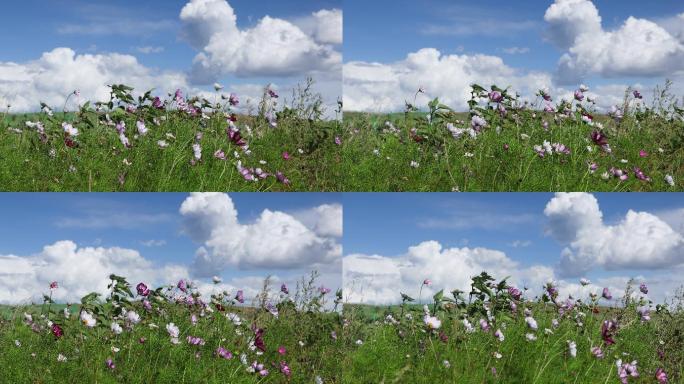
pixel 606 294
pixel 661 376
pixel 639 174
pixel 132 317
pixel 182 285
pixel 432 322
pixel 240 297
pixel 515 293
pixel 599 138
pixel 477 122
pixel 645 315
pixel 57 330
pixel 142 289
pixel 531 323
pixel 216 279
pixel 608 329
pixel 283 289
pixel 173 332
pixel 233 99
pixel 597 352
pixel 495 96
pixel 584 282
pixel 637 94
pixel 110 364
pixel 643 288
pixel 54 285
pixel 87 319
pixel 579 96
pixel 484 325
pixel 499 335
pixel 669 180
pixel 142 129
pixel 224 353
pixel 193 340
pixel 626 370
pixel 116 328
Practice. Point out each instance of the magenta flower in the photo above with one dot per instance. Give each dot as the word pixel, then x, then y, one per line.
pixel 233 100
pixel 286 156
pixel 661 376
pixel 283 289
pixel 338 141
pixel 193 340
pixel 626 370
pixel 599 138
pixel 158 103
pixel 281 350
pixel 608 329
pixel 606 294
pixel 142 340
pixel 182 285
pixel 53 285
pixel 515 293
pixel 579 96
pixel 495 96
pixel 639 174
pixel 142 289
pixel 597 352
pixel 110 364
pixel 259 339
pixel 427 282
pixel 224 353
pixel 281 178
pixel 637 95
pixel 484 325
pixel 57 330
pixel 285 369
pixel 643 153
pixel 323 290
pixel 240 296
pixel 272 93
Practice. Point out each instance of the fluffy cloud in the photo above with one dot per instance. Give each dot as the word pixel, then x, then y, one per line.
pixel 575 26
pixel 273 47
pixel 79 271
pixel 380 87
pixel 640 240
pixel 61 71
pixel 275 240
pixel 324 220
pixel 379 279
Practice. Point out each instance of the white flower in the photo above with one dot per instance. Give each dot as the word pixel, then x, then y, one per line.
pixel 87 319
pixel 548 331
pixel 499 335
pixel 319 380
pixel 446 364
pixel 197 151
pixel 132 317
pixel 61 358
pixel 531 337
pixel 173 331
pixel 359 342
pixel 301 343
pixel 66 313
pixel 497 355
pixel 234 318
pixel 468 327
pixel 376 152
pixel 116 328
pixel 524 136
pixel 115 349
pixel 572 348
pixel 669 180
pixel 432 322
pixel 531 322
pixel 218 87
pixel 624 161
pixel 555 323
pixel 585 281
pixel 468 154
pixel 142 130
pixel 162 144
pixel 17 343
pixel 414 164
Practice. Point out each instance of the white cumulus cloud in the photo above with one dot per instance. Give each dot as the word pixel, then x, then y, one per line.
pixel 274 240
pixel 273 47
pixel 640 240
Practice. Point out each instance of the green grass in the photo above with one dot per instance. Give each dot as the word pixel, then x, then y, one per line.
pixel 29 355
pixel 101 162
pixel 407 353
pixel 377 160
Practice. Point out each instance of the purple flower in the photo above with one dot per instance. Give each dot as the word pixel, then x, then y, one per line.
pixel 643 288
pixel 484 325
pixel 147 305
pixel 272 93
pixel 54 285
pixel 515 293
pixel 283 289
pixel 286 156
pixel 579 96
pixel 110 364
pixel 639 174
pixel 608 329
pixel 645 314
pixel 338 141
pixel 323 290
pixel 158 103
pixel 57 330
pixel 142 289
pixel 281 178
pixel 233 100
pixel 240 297
pixel 637 95
pixel 495 96
pixel 259 339
pixel 285 369
pixel 661 376
pixel 224 353
pixel 195 340
pixel 625 370
pixel 182 285
pixel 606 294
pixel 597 352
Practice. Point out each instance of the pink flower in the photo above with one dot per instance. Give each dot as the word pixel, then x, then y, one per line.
pixel 338 141
pixel 495 96
pixel 606 294
pixel 142 289
pixel 639 174
pixel 182 285
pixel 643 153
pixel 579 96
pixel 233 100
pixel 53 285
pixel 281 350
pixel 597 352
pixel 661 376
pixel 240 297
pixel 224 353
pixel 427 282
pixel 110 364
pixel 57 330
pixel 286 156
pixel 625 370
pixel 281 178
pixel 285 369
pixel 219 154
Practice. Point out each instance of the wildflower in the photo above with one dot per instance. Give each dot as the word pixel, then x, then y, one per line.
pixel 219 154
pixel 643 288
pixel 61 358
pixel 572 348
pixel 17 343
pixel 193 340
pixel 233 99
pixel 338 141
pixel 499 335
pixel 281 350
pixel 216 279
pixel 625 370
pixel 608 329
pixel 57 330
pixel 661 376
pixel 484 325
pixel 142 289
pixel 173 331
pixel 116 328
pixel 637 95
pixel 259 339
pixel 233 317
pixel 285 369
pixel 239 296
pixel 495 96
pixel 283 289
pixel 142 340
pixel 515 293
pixel 579 96
pixel 87 319
pixel 645 314
pixel 606 294
pixel 323 290
pixel 162 144
pixel 115 349
pixel 584 282
pixel 224 353
pixel 468 327
pixel 197 151
pixel 530 337
pixel 157 103
pixel 182 285
pixel 597 352
pixel 432 322
pixel 147 305
pixel 669 180
pixel 639 174
pixel 217 87
pixel 142 129
pixel 599 138
pixel 110 364
pixel 53 285
pixel 643 153
pixel 531 323
pixel 477 122
pixel 427 282
pixel 414 164
pixel 359 342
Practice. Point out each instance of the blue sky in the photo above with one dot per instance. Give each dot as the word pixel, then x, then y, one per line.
pixel 386 31
pixel 105 227
pixel 387 224
pixel 163 42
